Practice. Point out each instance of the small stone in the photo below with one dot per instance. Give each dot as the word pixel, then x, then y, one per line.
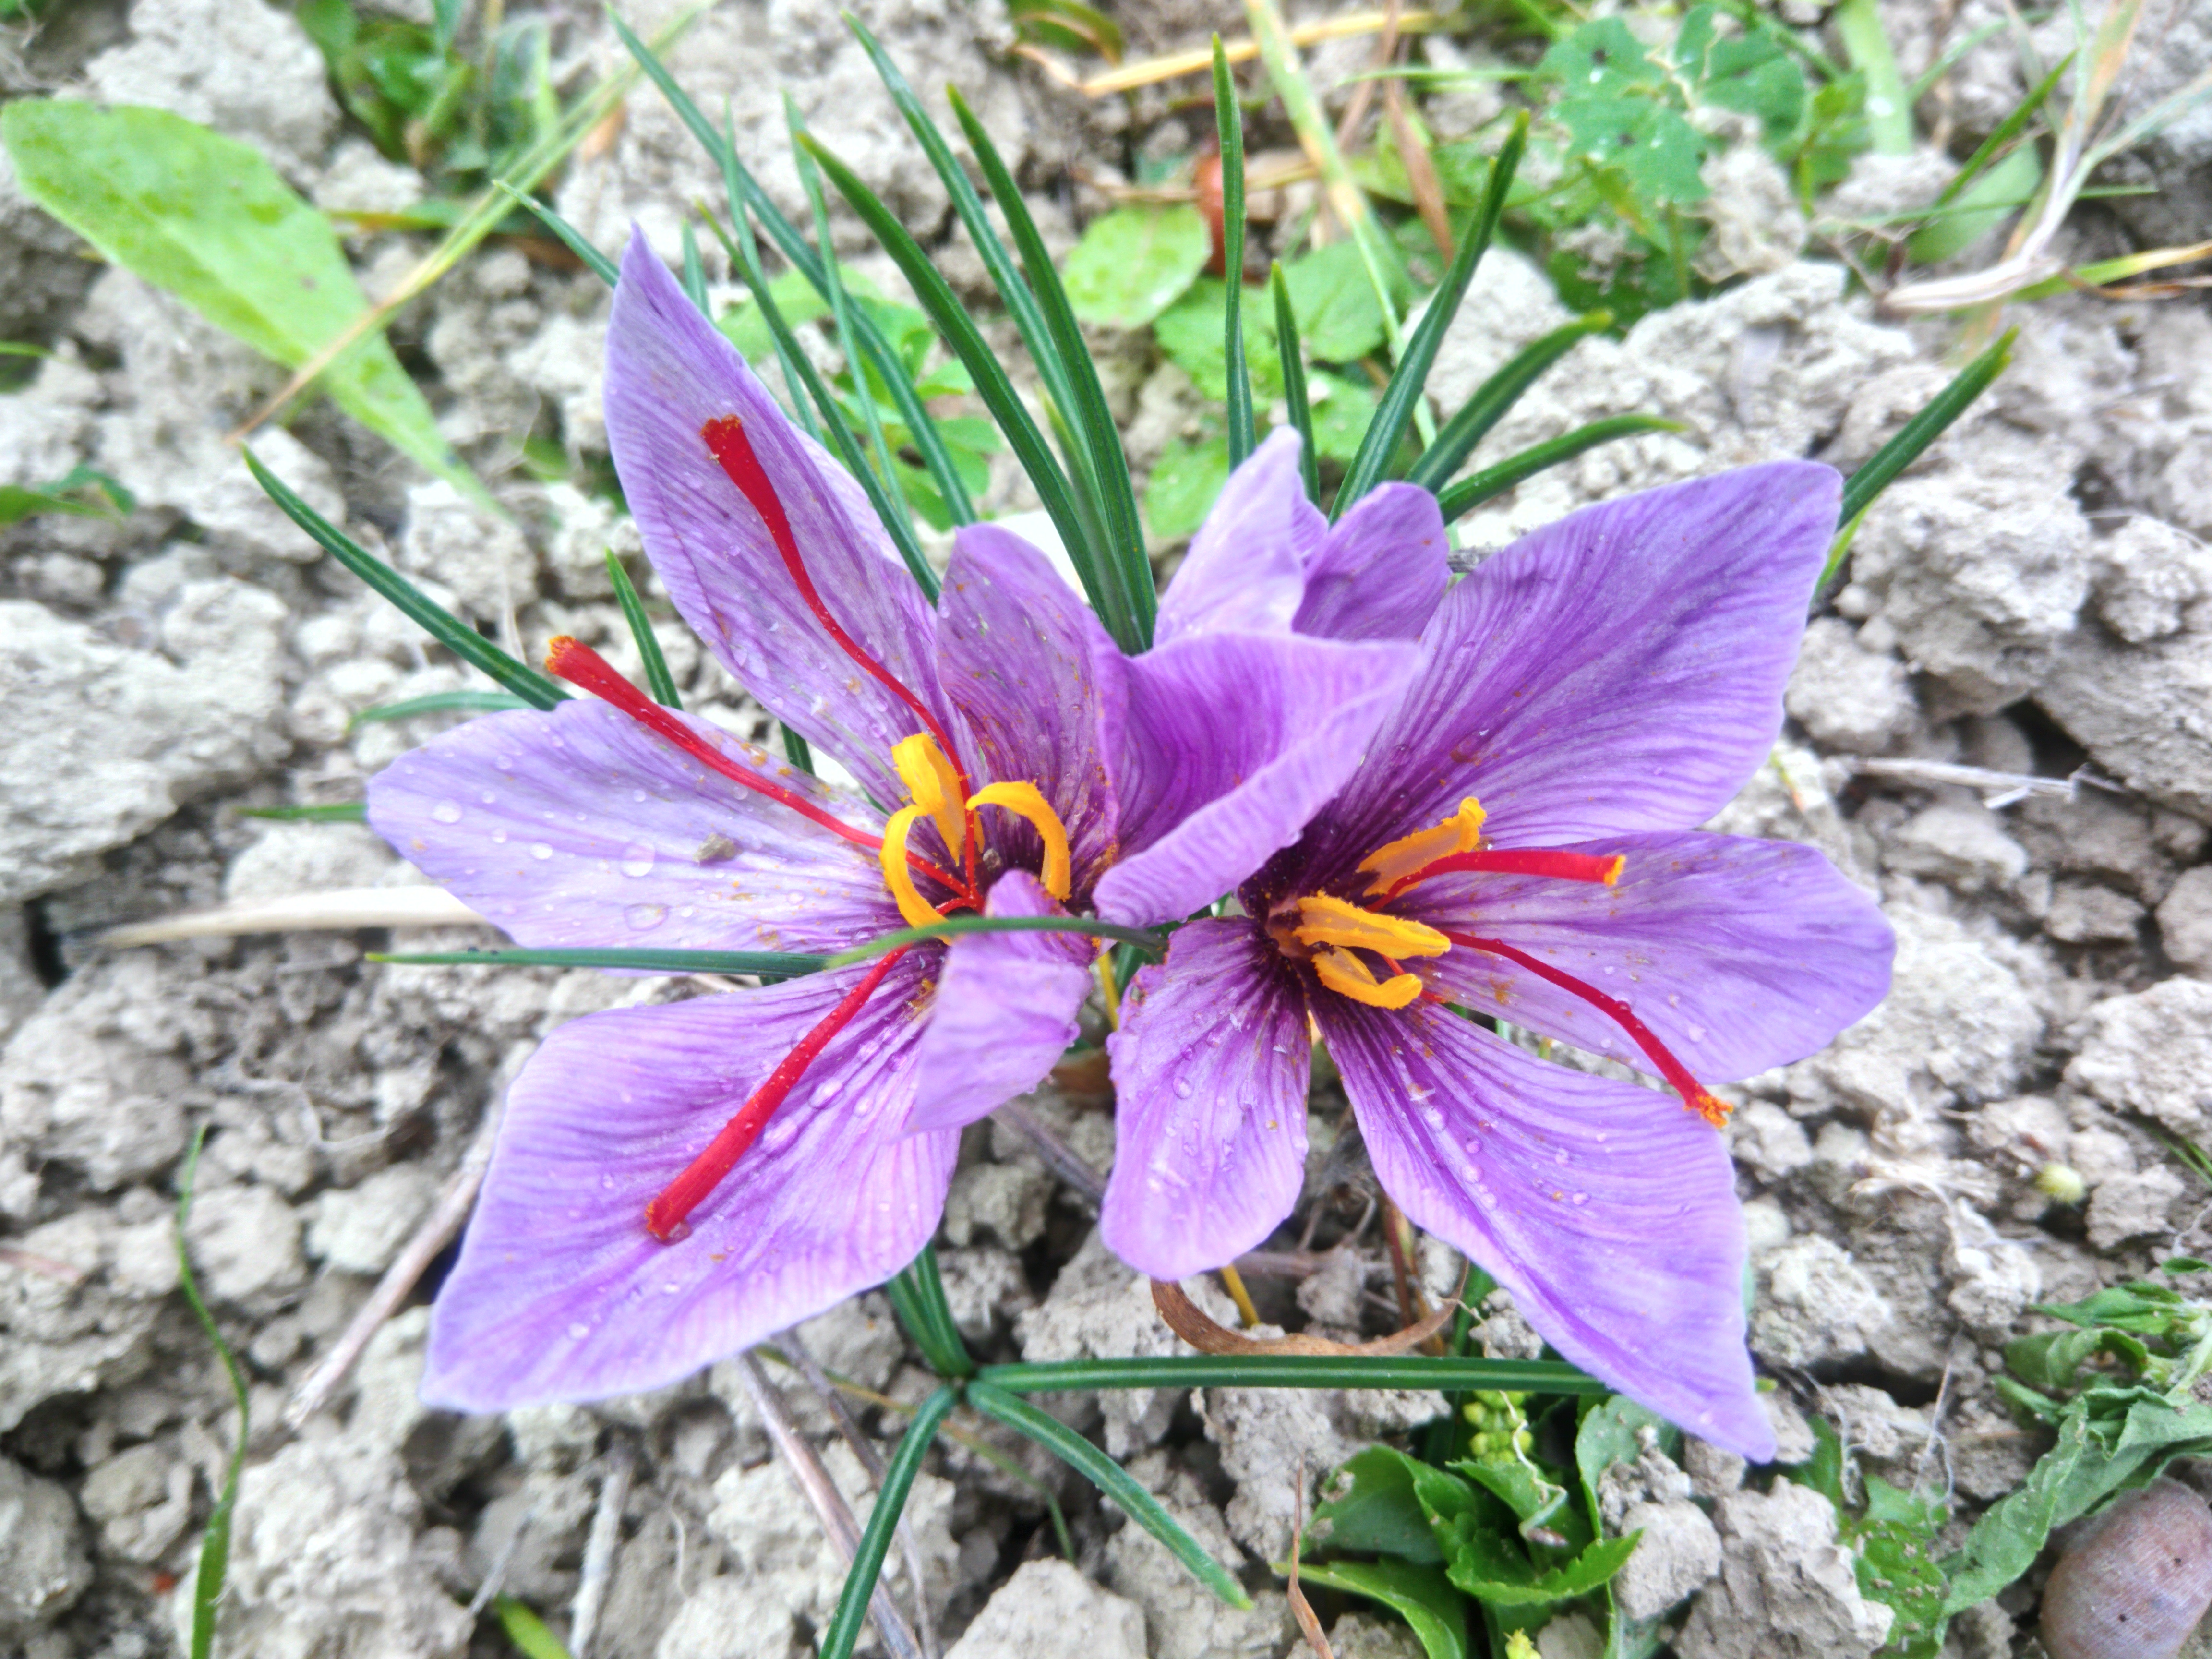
pixel 1048 1610
pixel 1787 1589
pixel 1817 1307
pixel 2185 920
pixel 360 1229
pixel 43 1567
pixel 2130 1207
pixel 1962 845
pixel 1845 696
pixel 1678 1552
pixel 245 1246
pixel 2151 1051
pixel 2082 913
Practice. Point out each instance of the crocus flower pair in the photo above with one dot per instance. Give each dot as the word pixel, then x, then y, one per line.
pixel 672 1183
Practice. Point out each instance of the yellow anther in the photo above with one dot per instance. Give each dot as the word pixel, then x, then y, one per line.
pixel 915 910
pixel 1324 920
pixel 1393 862
pixel 1026 800
pixel 1346 974
pixel 934 784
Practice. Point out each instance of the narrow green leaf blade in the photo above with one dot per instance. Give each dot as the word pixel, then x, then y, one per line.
pixel 343 811
pixel 1495 397
pixel 876 1537
pixel 570 238
pixel 1144 939
pixel 959 332
pixel 1923 428
pixel 1292 1371
pixel 1477 488
pixel 769 965
pixel 214 1542
pixel 1229 124
pixel 526 1630
pixel 658 680
pixel 207 218
pixel 438 702
pixel 1108 465
pixel 1294 380
pixel 694 274
pixel 1408 383
pixel 1110 1478
pixel 538 689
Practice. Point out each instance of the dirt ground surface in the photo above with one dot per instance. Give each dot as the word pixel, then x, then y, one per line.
pixel 2034 599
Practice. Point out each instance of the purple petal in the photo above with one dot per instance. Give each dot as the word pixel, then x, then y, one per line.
pixel 669 373
pixel 1041 684
pixel 1235 742
pixel 1620 669
pixel 1606 1210
pixel 1381 571
pixel 579 827
pixel 1210 1067
pixel 1245 572
pixel 1738 954
pixel 1005 1012
pixel 561 1294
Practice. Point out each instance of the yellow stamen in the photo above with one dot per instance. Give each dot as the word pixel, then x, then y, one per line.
pixel 1109 992
pixel 1346 974
pixel 934 785
pixel 1325 921
pixel 1026 800
pixel 1393 862
pixel 915 910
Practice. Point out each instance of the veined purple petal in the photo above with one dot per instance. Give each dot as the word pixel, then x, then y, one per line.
pixel 669 373
pixel 579 827
pixel 1739 954
pixel 1619 671
pixel 1606 1210
pixel 1382 570
pixel 1235 742
pixel 1041 685
pixel 1210 1067
pixel 560 1293
pixel 1245 572
pixel 1005 1012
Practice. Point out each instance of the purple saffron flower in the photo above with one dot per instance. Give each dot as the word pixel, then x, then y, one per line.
pixel 1519 842
pixel 672 1183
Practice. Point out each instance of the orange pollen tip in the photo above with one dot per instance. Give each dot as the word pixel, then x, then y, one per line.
pixel 666 1216
pixel 1695 1096
pixel 1598 869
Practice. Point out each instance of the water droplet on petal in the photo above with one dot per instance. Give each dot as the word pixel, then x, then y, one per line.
pixel 640 917
pixel 577 1333
pixel 538 849
pixel 679 1232
pixel 499 837
pixel 637 860
pixel 446 811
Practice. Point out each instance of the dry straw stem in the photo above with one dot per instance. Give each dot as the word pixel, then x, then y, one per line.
pixel 599 1547
pixel 1194 1326
pixel 596 107
pixel 1172 65
pixel 337 908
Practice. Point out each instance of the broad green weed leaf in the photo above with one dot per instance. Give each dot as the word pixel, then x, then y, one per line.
pixel 1190 333
pixel 1342 411
pixel 1377 1512
pixel 1422 1596
pixel 1339 320
pixel 1747 71
pixel 1135 262
pixel 1185 480
pixel 207 218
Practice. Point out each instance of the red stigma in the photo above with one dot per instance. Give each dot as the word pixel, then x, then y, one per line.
pixel 666 1213
pixel 727 440
pixel 1695 1096
pixel 1602 870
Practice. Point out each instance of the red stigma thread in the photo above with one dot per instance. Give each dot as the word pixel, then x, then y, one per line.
pixel 571 659
pixel 1602 870
pixel 705 1172
pixel 725 438
pixel 1695 1096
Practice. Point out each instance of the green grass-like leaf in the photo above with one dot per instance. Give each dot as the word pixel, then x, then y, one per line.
pixel 538 689
pixel 1108 465
pixel 1292 1371
pixel 767 964
pixel 206 218
pixel 570 238
pixel 214 1542
pixel 658 680
pixel 1407 384
pixel 905 1463
pixel 917 1292
pixel 438 702
pixel 343 811
pixel 1495 397
pixel 1294 380
pixel 1110 1478
pixel 526 1630
pixel 1144 939
pixel 1229 124
pixel 745 193
pixel 1472 490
